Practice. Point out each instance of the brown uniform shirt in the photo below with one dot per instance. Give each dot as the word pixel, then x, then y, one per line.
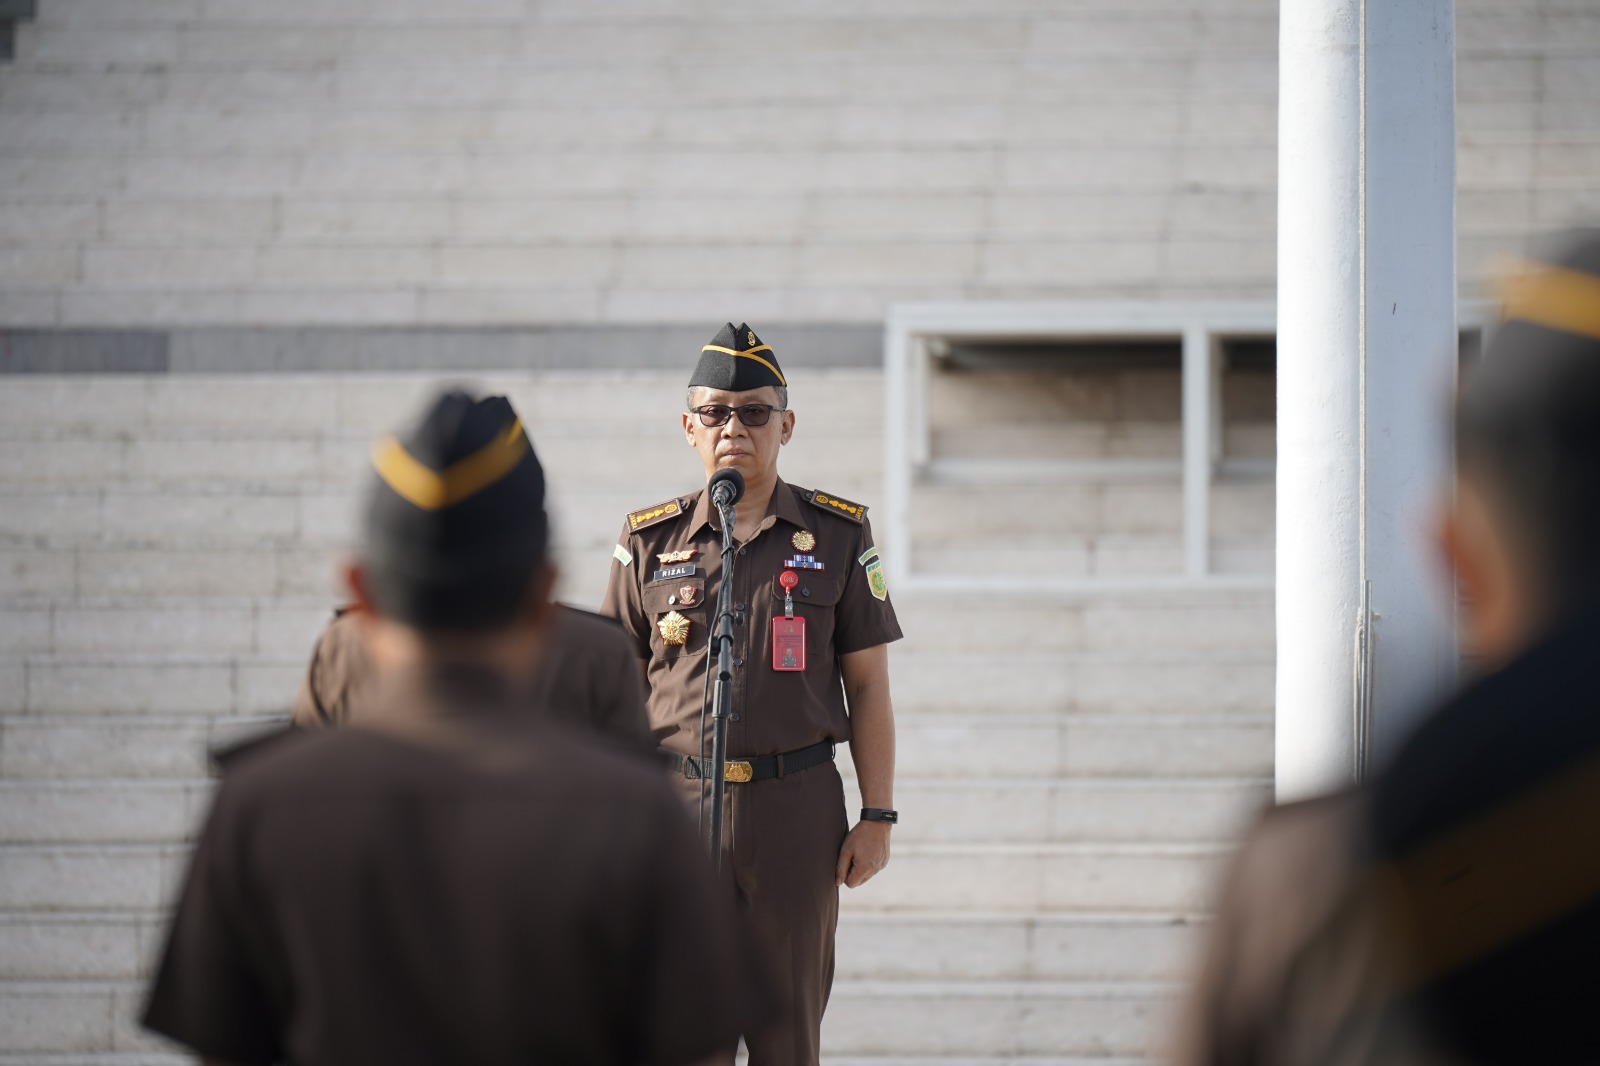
pixel 843 601
pixel 455 882
pixel 588 675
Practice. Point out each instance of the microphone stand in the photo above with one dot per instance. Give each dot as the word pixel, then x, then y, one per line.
pixel 722 689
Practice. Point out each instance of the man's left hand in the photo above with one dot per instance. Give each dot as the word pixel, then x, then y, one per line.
pixel 865 852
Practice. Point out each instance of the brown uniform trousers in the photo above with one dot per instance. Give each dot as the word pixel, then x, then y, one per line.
pixel 782 835
pixel 588 676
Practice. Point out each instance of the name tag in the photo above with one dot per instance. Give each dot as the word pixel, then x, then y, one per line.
pixel 789 645
pixel 672 573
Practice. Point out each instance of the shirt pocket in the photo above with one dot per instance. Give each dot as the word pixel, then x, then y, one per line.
pixel 816 599
pixel 666 597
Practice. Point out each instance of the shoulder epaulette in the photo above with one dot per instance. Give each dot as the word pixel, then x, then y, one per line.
pixel 637 520
pixel 856 512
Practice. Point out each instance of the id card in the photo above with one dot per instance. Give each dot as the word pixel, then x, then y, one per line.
pixel 789 644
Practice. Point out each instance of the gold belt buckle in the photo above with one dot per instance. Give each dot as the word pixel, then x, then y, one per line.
pixel 737 771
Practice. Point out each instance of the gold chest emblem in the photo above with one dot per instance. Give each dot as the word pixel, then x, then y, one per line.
pixel 674 629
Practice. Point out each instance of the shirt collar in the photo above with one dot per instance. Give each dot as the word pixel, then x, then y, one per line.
pixel 784 504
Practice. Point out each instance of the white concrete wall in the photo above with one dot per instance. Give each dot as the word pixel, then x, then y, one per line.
pixel 485 161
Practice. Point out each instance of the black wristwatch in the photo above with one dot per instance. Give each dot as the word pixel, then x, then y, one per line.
pixel 879 814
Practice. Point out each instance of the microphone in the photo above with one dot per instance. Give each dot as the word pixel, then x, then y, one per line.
pixel 727 486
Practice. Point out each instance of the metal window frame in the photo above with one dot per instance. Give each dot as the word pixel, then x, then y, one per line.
pixel 909 334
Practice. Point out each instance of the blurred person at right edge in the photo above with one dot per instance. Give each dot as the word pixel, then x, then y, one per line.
pixel 1449 911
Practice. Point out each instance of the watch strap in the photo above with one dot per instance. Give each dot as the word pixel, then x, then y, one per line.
pixel 880 814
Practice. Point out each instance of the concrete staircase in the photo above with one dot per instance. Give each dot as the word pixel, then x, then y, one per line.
pixel 1069 771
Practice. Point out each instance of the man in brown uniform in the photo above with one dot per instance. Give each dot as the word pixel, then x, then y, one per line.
pixel 588 675
pixel 810 670
pixel 1449 911
pixel 452 879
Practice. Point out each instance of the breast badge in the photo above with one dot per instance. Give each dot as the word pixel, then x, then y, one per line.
pixel 688 595
pixel 668 558
pixel 674 629
pixel 804 540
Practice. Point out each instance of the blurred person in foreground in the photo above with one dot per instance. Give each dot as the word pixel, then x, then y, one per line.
pixel 1450 912
pixel 813 624
pixel 452 879
pixel 587 675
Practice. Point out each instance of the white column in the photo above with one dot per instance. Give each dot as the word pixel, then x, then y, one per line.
pixel 1366 367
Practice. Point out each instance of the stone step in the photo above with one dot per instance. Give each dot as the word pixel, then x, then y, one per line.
pixel 94 626
pixel 128 683
pixel 1163 623
pixel 923 682
pixel 1009 877
pixel 864 1018
pixel 931 747
pixel 268 571
pixel 358 407
pixel 1124 878
pixel 75 1018
pixel 36 879
pixel 101 811
pixel 1203 621
pixel 989 1018
pixel 912 946
pixel 1087 555
pixel 83 946
pixel 236 518
pixel 977 810
pixel 1024 811
pixel 968 513
pixel 655 461
pixel 1090 682
pixel 976 946
pixel 1108 437
pixel 961 945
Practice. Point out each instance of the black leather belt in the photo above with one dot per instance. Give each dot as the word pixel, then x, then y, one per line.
pixel 757 769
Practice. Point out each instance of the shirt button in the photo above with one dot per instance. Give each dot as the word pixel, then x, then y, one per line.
pixel 805 590
pixel 738 607
pixel 741 551
pixel 733 717
pixel 738 662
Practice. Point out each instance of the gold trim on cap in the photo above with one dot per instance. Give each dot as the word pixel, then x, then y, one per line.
pixel 1554 297
pixel 434 490
pixel 751 354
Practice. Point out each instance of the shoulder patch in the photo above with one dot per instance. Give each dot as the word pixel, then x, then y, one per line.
pixel 637 520
pixel 856 512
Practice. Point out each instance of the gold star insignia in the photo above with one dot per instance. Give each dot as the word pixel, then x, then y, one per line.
pixel 674 629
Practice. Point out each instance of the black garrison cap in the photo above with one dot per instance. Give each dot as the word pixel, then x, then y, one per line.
pixel 1554 301
pixel 455 522
pixel 737 361
pixel 1529 413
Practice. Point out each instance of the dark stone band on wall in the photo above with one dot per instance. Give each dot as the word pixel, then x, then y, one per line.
pixel 290 350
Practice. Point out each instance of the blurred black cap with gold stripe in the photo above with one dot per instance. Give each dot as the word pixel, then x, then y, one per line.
pixel 455 524
pixel 737 361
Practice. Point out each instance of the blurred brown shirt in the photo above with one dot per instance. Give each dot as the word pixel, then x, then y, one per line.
pixel 775 711
pixel 589 676
pixel 451 880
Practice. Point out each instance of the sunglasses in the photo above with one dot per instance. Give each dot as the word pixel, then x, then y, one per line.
pixel 751 415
